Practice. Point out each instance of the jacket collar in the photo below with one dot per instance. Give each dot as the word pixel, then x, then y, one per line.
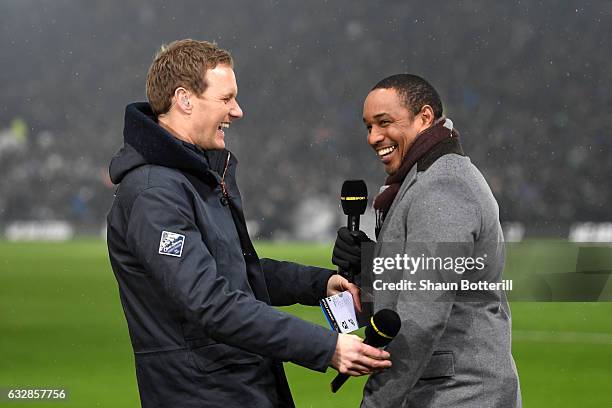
pixel 155 145
pixel 446 146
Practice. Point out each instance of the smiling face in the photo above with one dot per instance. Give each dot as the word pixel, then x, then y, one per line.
pixel 214 109
pixel 392 128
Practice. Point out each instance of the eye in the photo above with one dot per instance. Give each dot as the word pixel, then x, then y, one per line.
pixel 369 128
pixel 384 123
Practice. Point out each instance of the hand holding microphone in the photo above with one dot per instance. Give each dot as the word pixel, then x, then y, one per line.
pixel 355 358
pixel 383 327
pixel 347 249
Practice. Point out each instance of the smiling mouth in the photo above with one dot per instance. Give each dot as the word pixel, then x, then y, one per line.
pixel 385 151
pixel 222 127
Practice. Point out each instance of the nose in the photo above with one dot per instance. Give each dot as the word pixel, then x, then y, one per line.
pixel 375 136
pixel 236 111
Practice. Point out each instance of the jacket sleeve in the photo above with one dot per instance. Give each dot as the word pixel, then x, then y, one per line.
pixel 443 220
pixel 289 283
pixel 191 280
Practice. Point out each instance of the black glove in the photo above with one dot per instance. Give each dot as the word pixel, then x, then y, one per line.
pixel 347 251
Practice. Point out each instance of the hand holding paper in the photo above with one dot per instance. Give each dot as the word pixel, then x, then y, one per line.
pixel 337 284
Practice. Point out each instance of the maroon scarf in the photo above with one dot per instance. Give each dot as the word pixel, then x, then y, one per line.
pixel 423 143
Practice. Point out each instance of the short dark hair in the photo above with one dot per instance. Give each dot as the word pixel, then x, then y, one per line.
pixel 414 91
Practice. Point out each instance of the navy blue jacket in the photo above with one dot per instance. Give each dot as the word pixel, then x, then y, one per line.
pixel 196 297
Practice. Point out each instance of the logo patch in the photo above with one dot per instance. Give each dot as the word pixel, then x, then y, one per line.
pixel 171 244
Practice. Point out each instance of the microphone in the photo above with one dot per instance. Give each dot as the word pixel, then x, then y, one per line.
pixel 383 327
pixel 354 199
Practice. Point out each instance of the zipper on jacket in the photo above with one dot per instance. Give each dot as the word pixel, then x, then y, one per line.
pixel 225 197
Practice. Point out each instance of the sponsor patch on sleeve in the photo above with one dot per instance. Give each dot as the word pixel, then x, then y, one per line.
pixel 171 243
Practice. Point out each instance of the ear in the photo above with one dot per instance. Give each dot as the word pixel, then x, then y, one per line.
pixel 427 116
pixel 182 99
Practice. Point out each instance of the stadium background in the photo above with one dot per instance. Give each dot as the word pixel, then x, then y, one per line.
pixel 526 83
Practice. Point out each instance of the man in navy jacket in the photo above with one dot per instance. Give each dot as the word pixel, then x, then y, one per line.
pixel 196 297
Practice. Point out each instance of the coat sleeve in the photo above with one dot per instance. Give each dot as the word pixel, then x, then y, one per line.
pixel 191 280
pixel 289 283
pixel 442 220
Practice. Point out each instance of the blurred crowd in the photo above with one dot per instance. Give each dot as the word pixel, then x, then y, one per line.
pixel 528 87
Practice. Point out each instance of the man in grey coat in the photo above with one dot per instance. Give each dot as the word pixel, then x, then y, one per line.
pixel 454 347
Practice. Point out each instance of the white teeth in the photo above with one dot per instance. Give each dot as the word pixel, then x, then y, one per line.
pixel 224 125
pixel 386 150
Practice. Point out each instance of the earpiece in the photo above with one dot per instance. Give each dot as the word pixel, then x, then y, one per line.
pixel 185 101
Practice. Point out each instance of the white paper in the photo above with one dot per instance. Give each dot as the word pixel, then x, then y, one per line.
pixel 339 311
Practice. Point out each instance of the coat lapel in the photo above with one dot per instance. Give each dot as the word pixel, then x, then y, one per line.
pixel 410 179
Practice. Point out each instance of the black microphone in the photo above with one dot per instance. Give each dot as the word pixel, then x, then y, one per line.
pixel 354 198
pixel 383 327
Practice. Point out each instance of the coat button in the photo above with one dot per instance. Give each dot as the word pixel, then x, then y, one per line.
pixel 224 200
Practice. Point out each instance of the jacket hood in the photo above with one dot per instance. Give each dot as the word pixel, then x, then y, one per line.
pixel 145 142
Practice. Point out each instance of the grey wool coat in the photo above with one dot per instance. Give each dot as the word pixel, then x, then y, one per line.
pixel 453 350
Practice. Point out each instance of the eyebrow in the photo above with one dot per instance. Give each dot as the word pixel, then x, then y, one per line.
pixel 377 116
